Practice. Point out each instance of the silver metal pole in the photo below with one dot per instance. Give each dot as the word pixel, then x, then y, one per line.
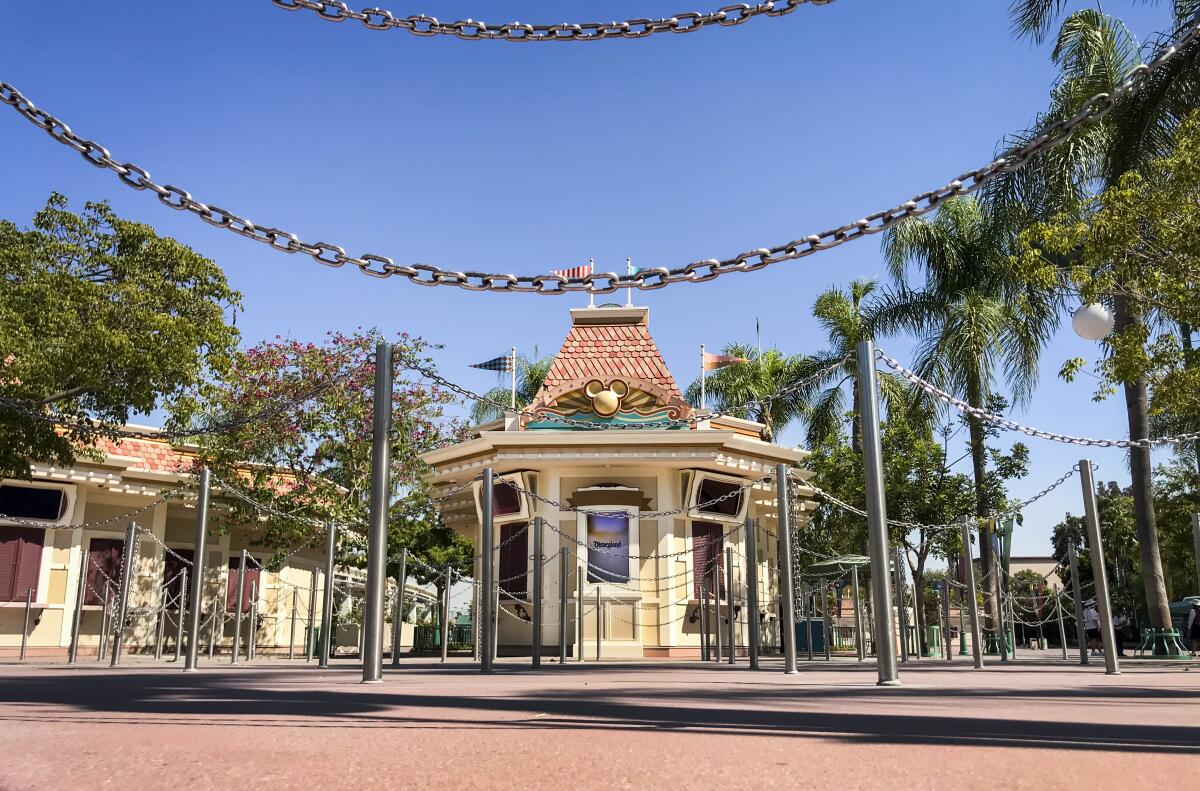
pixel 160 631
pixel 495 621
pixel 599 618
pixel 198 552
pixel 1062 630
pixel 858 630
pixel 487 578
pixel 241 603
pixel 446 617
pixel 704 652
pixel 310 643
pixel 752 592
pixel 327 597
pixel 729 603
pixel 826 620
pixel 787 600
pixel 377 539
pixel 947 640
pixel 252 624
pixel 1080 633
pixel 292 633
pixel 131 533
pixel 77 618
pixel 1099 573
pixel 579 615
pixel 810 612
pixel 564 571
pixel 881 594
pixel 25 630
pixel 398 617
pixel 105 615
pixel 216 622
pixel 1001 631
pixel 976 640
pixel 901 603
pixel 716 608
pixel 536 638
pixel 179 612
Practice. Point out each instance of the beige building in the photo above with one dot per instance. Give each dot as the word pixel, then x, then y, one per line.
pixel 577 447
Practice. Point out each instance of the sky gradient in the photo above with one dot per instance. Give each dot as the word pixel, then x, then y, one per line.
pixel 526 157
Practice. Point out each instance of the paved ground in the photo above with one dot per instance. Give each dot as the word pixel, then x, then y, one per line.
pixel 1035 724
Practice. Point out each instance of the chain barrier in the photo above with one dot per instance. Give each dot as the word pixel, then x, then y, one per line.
pixel 477 30
pixel 1012 425
pixel 163 497
pixel 691 420
pixel 375 265
pixel 641 514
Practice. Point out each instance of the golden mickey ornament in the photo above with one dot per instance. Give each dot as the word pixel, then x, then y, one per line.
pixel 606 401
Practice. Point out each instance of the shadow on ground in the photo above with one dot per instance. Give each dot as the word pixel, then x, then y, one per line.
pixel 573 697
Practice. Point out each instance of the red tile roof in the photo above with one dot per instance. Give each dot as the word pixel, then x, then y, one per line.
pixel 153 455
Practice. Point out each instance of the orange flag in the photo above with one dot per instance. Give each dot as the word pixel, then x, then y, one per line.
pixel 712 362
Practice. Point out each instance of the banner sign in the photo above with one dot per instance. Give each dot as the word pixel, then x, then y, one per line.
pixel 608 548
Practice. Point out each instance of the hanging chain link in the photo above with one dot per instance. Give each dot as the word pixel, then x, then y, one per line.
pixel 163 497
pixel 476 30
pixel 1012 425
pixel 651 278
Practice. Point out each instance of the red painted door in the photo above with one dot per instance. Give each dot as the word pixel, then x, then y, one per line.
pixel 20 561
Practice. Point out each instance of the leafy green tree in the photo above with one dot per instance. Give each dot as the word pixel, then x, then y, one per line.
pixel 1118 530
pixel 100 318
pixel 311 454
pixel 1094 53
pixel 1176 498
pixel 755 384
pixel 980 326
pixel 531 373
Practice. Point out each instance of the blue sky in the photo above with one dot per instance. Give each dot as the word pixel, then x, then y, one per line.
pixel 521 158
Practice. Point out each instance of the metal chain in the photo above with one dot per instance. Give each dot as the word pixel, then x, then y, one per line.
pixel 1012 425
pixel 693 419
pixel 167 549
pixel 98 523
pixel 651 278
pixel 476 30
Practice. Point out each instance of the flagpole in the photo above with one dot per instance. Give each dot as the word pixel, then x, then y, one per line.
pixel 591 294
pixel 513 368
pixel 629 291
pixel 702 402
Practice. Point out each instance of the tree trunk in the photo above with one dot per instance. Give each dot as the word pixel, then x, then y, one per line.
pixel 987 564
pixel 1137 410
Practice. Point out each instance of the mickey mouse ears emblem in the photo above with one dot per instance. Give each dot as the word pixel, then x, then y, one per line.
pixel 606 401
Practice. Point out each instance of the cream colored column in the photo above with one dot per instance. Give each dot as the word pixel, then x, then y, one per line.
pixel 551 542
pixel 668 499
pixel 74 565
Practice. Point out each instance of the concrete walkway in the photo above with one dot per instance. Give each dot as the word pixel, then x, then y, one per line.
pixel 275 725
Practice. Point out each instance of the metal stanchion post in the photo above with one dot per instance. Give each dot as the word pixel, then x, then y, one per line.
pixel 398 617
pixel 752 592
pixel 105 616
pixel 487 579
pixel 716 610
pixel 131 533
pixel 292 632
pixel 787 593
pixel 495 621
pixel 252 624
pixel 901 603
pixel 446 616
pixel 77 618
pixel 535 638
pixel 564 571
pixel 1001 629
pixel 599 622
pixel 976 641
pixel 826 621
pixel 947 639
pixel 197 591
pixel 25 629
pixel 179 612
pixel 216 622
pixel 703 606
pixel 881 594
pixel 918 600
pixel 1062 630
pixel 579 615
pixel 729 603
pixel 1080 632
pixel 161 629
pixel 381 459
pixel 310 641
pixel 810 612
pixel 327 597
pixel 858 630
pixel 1099 574
pixel 241 603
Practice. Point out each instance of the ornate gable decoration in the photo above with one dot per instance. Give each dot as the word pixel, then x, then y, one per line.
pixel 609 371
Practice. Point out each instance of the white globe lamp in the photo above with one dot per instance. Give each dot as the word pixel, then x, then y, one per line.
pixel 1092 322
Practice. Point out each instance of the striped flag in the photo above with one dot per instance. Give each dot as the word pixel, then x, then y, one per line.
pixel 504 363
pixel 573 272
pixel 712 362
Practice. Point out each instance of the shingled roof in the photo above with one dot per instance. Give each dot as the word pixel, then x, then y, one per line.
pixel 605 344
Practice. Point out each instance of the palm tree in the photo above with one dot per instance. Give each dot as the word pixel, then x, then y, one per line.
pixel 848 318
pixel 749 390
pixel 979 325
pixel 531 373
pixel 1094 52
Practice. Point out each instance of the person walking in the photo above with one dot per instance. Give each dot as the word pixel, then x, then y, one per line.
pixel 1193 627
pixel 1091 625
pixel 1120 628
